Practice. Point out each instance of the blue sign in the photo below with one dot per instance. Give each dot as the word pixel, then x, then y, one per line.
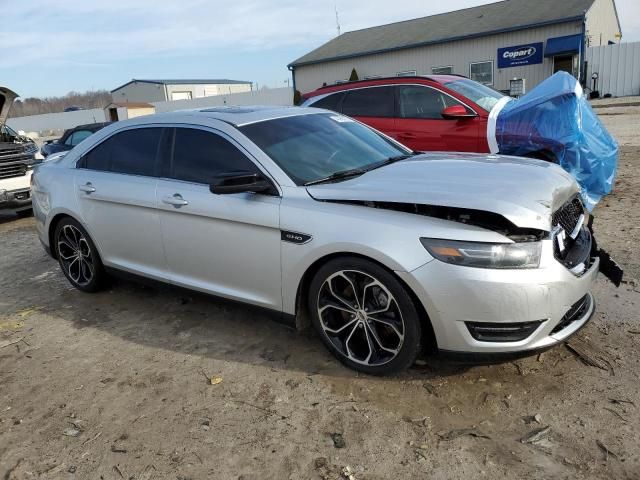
pixel 529 54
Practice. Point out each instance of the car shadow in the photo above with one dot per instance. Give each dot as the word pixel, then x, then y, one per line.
pixel 193 323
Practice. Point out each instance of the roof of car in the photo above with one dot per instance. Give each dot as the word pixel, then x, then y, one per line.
pixel 383 80
pixel 236 116
pixel 90 126
pixel 497 17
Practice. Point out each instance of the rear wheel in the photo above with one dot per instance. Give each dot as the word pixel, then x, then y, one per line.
pixel 365 316
pixel 78 256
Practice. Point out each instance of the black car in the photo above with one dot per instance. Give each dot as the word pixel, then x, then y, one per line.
pixel 70 138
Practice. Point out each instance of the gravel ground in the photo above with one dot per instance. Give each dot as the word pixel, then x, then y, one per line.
pixel 117 385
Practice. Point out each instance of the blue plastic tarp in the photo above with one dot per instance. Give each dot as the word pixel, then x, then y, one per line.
pixel 555 120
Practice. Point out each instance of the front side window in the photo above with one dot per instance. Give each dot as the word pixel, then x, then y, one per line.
pixel 481 72
pixel 423 102
pixel 369 102
pixel 311 147
pixel 200 156
pixel 476 92
pixel 131 152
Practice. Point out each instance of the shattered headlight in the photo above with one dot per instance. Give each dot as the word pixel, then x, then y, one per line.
pixel 485 255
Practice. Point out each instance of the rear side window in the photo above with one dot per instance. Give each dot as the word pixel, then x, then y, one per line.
pixel 330 102
pixel 423 102
pixel 200 156
pixel 76 137
pixel 132 152
pixel 369 102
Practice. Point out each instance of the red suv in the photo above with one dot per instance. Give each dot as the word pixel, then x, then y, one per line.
pixel 438 112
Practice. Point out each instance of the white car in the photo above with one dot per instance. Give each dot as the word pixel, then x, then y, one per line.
pixel 305 211
pixel 17 157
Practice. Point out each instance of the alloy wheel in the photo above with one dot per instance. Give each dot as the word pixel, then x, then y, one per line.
pixel 75 255
pixel 360 317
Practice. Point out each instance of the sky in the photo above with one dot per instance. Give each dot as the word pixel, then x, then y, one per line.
pixel 51 47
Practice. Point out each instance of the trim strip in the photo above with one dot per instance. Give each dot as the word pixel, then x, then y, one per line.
pixel 492 122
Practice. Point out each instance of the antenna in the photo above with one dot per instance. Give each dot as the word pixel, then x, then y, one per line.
pixel 335 6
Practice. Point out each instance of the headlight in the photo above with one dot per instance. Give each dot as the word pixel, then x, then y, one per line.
pixel 485 255
pixel 30 148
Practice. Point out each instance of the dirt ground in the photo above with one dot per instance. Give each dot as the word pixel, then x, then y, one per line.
pixel 117 385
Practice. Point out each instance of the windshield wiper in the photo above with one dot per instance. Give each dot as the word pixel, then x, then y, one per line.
pixel 353 172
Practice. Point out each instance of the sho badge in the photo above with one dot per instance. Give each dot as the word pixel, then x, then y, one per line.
pixel 295 237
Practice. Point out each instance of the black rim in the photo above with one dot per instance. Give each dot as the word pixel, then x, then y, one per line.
pixel 360 317
pixel 75 255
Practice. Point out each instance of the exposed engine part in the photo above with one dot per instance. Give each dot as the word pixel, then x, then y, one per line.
pixel 479 218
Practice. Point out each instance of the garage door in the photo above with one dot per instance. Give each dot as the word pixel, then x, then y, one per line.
pixel 180 95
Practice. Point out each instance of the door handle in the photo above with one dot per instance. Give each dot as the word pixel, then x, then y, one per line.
pixel 87 188
pixel 177 200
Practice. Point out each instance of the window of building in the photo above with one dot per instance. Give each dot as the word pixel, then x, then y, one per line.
pixel 424 102
pixel 131 152
pixel 200 156
pixel 408 73
pixel 482 72
pixel 369 102
pixel 444 70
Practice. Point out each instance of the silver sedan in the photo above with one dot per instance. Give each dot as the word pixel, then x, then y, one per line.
pixel 314 215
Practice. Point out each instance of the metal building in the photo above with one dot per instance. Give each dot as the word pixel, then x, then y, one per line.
pixel 164 90
pixel 510 45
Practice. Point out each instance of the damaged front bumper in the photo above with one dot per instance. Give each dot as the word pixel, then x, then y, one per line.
pixel 489 311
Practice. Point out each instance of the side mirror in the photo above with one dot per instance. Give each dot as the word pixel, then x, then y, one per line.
pixel 456 112
pixel 240 182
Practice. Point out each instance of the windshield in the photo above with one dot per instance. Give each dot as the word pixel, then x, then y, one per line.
pixel 476 92
pixel 313 147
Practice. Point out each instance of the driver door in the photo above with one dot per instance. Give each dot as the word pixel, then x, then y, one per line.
pixel 420 125
pixel 227 245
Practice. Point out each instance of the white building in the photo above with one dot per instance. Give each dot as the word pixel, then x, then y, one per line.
pixel 508 45
pixel 164 90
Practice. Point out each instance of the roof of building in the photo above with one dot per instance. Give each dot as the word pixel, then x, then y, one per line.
pixel 130 105
pixel 190 81
pixel 498 17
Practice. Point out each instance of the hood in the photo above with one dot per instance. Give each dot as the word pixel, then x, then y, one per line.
pixel 6 100
pixel 524 191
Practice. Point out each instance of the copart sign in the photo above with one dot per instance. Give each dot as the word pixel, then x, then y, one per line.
pixel 520 55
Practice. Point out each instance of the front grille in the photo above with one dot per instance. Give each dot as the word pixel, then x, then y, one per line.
pixel 501 332
pixel 568 215
pixel 14 150
pixel 576 312
pixel 12 170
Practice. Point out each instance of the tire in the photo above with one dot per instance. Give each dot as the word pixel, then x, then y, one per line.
pixel 25 213
pixel 543 155
pixel 78 256
pixel 378 331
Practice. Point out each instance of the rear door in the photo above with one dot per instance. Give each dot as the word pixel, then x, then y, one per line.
pixel 374 106
pixel 228 245
pixel 115 186
pixel 420 125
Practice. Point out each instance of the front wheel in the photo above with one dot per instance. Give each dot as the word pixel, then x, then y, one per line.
pixel 365 316
pixel 78 256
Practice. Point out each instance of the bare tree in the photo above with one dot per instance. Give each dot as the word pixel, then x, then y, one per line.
pixel 34 106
